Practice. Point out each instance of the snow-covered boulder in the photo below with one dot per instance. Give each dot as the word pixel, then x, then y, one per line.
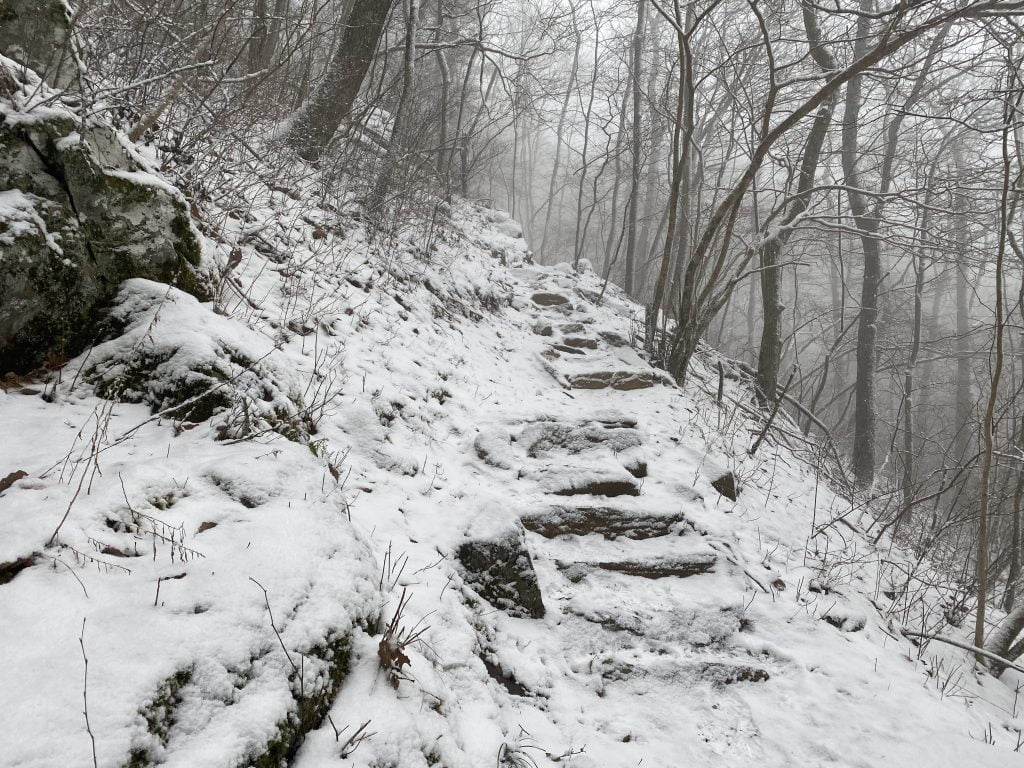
pixel 496 564
pixel 37 34
pixel 80 212
pixel 191 364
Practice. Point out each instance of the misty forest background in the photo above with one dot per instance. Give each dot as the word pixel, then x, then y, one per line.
pixel 828 193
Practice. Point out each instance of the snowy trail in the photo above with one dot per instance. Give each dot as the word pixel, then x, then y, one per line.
pixel 479 399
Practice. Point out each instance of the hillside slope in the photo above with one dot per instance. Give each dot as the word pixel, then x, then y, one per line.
pixel 440 429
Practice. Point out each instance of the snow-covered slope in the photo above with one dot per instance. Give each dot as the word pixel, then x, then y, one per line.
pixel 476 447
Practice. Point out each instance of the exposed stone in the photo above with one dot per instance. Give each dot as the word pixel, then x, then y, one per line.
pixel 309 711
pixel 614 339
pixel 717 673
pixel 621 380
pixel 500 570
pixel 727 673
pixel 609 522
pixel 160 714
pixel 591 483
pixel 37 34
pixel 568 350
pixel 11 479
pixel 191 364
pixel 79 214
pixel 549 299
pixel 573 438
pixel 845 620
pixel 654 568
pixel 580 342
pixel 727 486
pixel 505 679
pixel 12 568
pixel 543 329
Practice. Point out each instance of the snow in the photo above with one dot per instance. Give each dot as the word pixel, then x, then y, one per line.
pixel 435 386
pixel 19 217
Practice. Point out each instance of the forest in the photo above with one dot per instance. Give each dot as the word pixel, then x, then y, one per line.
pixel 825 198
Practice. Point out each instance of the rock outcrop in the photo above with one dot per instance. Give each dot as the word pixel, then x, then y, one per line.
pixel 37 35
pixel 80 212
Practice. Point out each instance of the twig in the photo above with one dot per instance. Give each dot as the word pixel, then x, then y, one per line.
pixel 160 581
pixel 85 695
pixel 273 626
pixel 357 738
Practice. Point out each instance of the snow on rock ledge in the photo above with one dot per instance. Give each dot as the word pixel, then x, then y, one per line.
pixel 80 211
pixel 192 364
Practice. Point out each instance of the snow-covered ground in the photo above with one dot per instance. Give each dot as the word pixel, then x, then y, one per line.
pixel 440 392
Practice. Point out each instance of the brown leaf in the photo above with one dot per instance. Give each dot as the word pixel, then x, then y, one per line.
pixel 11 479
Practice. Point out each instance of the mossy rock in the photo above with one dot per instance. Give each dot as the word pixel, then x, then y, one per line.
pixel 499 568
pixel 160 714
pixel 192 365
pixel 37 34
pixel 310 707
pixel 79 215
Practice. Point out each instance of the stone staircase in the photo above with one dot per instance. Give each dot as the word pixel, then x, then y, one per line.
pixel 634 585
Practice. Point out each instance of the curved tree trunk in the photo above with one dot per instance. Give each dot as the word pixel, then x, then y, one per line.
pixel 332 102
pixel 770 353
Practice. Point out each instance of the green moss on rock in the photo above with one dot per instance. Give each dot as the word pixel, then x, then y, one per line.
pixel 310 707
pixel 160 714
pixel 98 222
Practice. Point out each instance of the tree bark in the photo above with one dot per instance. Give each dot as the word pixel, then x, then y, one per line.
pixel 636 146
pixel 331 103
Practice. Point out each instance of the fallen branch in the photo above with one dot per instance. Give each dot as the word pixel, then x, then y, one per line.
pixel 966 647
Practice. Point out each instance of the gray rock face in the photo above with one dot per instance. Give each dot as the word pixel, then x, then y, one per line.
pixel 37 34
pixel 499 569
pixel 79 214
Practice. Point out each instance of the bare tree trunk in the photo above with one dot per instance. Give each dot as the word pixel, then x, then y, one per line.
pixel 397 142
pixel 274 35
pixel 864 411
pixel 636 146
pixel 258 33
pixel 964 406
pixel 680 153
pixel 645 247
pixel 332 102
pixel 559 139
pixel 770 354
pixel 442 161
pixel 909 449
pixel 1009 113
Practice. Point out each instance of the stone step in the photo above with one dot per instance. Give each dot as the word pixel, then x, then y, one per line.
pixel 609 521
pixel 616 667
pixel 550 299
pixel 623 380
pixel 608 483
pixel 579 342
pixel 681 566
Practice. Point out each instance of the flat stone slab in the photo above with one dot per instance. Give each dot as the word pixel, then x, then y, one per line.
pixel 608 521
pixel 717 673
pixel 579 342
pixel 624 380
pixel 657 568
pixel 553 437
pixel 544 299
pixel 590 484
